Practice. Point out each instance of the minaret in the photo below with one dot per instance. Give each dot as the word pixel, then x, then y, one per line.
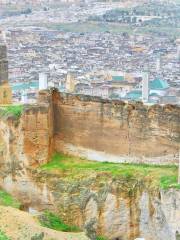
pixel 43 81
pixel 145 87
pixel 158 64
pixel 5 89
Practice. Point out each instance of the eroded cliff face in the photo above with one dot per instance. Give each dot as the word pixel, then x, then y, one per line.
pixel 115 131
pixel 121 209
pixel 24 142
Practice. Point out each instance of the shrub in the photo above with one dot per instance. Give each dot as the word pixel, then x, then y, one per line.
pixel 7 200
pixel 14 110
pixel 3 236
pixel 167 182
pixel 50 220
pixel 38 236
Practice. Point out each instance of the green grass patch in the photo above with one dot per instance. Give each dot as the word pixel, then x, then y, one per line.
pixel 14 110
pixel 7 200
pixel 74 167
pixel 50 220
pixel 169 182
pixel 3 236
pixel 101 238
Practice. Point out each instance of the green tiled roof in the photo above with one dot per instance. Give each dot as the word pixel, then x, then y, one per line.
pixel 158 84
pixel 118 78
pixel 134 95
pixel 24 86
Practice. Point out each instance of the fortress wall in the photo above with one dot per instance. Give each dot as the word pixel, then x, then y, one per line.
pixel 37 134
pixel 90 127
pixel 116 131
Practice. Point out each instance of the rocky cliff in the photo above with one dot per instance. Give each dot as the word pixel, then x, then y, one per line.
pixel 116 208
pixel 98 130
pixel 25 141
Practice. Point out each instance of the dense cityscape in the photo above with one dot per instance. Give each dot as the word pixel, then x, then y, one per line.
pixel 89 119
pixel 105 54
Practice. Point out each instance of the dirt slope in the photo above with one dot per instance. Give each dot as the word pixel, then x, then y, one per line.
pixel 19 225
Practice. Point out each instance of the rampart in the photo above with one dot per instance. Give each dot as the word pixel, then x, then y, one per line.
pixel 116 131
pixel 91 128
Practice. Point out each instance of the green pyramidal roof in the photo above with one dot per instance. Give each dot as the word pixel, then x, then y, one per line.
pixel 158 84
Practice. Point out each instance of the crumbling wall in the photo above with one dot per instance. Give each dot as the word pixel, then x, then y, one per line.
pixel 90 127
pixel 116 131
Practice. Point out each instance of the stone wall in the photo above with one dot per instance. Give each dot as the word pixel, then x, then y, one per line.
pixel 37 134
pixel 93 128
pixel 90 127
pixel 116 131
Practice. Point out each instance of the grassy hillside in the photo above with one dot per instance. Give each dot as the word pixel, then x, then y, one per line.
pixel 74 167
